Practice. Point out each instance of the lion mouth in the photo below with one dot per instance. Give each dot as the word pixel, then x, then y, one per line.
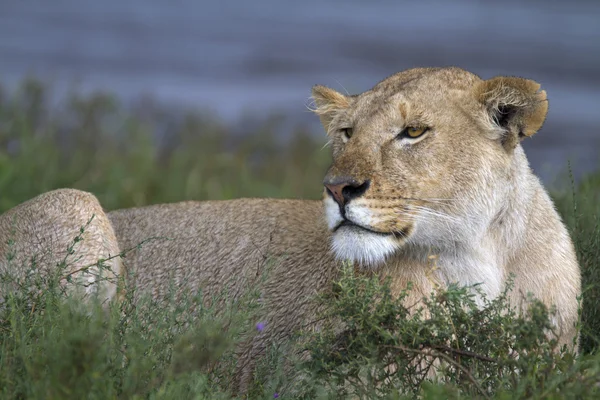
pixel 351 225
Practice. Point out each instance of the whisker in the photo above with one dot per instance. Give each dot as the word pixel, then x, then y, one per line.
pixel 429 200
pixel 414 211
pixel 435 213
pixel 424 216
pixel 427 217
pixel 400 234
pixel 326 144
pixel 339 83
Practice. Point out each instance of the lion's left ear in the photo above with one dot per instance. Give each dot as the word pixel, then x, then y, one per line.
pixel 515 105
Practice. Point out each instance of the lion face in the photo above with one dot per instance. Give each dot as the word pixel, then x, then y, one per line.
pixel 423 159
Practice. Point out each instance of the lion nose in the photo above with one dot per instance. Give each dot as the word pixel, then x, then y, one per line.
pixel 345 189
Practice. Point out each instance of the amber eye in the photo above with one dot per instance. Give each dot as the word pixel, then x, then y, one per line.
pixel 413 132
pixel 347 133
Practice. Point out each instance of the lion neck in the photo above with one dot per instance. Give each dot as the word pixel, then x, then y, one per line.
pixel 478 252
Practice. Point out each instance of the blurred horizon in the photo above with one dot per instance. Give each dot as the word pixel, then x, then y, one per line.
pixel 238 59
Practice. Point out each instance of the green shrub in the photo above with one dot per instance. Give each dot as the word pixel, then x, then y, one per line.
pixel 375 347
pixel 53 347
pixel 580 207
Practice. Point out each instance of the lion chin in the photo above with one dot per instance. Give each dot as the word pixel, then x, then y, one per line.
pixel 357 245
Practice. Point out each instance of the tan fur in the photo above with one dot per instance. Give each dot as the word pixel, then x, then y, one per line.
pixel 328 102
pixel 468 167
pixel 215 244
pixel 39 232
pixel 520 93
pixel 463 193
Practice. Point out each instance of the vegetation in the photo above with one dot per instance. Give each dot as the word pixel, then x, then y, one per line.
pixel 370 346
pixel 138 155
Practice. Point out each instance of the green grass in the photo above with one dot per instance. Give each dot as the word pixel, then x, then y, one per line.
pixel 580 207
pixel 51 348
pixel 146 155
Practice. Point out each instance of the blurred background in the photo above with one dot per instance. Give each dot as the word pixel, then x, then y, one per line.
pixel 146 101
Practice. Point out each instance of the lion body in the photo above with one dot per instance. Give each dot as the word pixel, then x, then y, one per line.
pixel 457 203
pixel 236 245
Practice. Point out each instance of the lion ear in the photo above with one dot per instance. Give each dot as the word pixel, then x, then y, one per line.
pixel 515 105
pixel 327 103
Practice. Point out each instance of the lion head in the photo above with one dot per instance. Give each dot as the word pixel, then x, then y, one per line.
pixel 425 159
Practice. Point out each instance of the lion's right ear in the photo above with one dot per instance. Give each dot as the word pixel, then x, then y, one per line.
pixel 327 103
pixel 515 106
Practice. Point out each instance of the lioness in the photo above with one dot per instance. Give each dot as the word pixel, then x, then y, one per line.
pixel 427 163
pixel 38 238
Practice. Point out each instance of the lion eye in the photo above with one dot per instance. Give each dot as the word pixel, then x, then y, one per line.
pixel 413 132
pixel 347 133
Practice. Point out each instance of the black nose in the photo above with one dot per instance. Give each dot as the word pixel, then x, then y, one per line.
pixel 344 189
